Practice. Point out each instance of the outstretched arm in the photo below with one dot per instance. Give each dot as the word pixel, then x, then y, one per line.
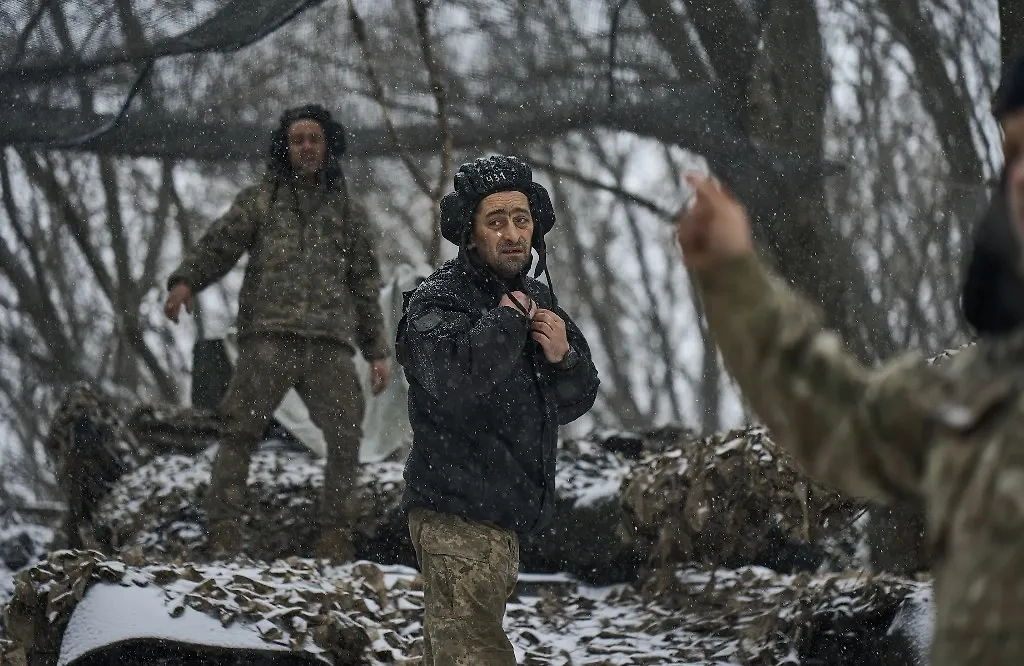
pixel 865 431
pixel 220 248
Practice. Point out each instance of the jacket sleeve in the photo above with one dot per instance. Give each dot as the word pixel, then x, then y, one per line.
pixel 364 282
pixel 454 359
pixel 220 248
pixel 862 431
pixel 576 387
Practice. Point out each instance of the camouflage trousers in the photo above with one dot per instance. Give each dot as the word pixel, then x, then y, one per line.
pixel 469 571
pixel 324 374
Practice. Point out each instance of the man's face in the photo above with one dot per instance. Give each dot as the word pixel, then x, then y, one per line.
pixel 307 146
pixel 503 232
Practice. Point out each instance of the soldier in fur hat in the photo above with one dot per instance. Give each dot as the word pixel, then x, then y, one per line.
pixel 309 300
pixel 494 367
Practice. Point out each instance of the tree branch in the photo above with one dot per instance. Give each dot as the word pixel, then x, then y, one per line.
pixel 161 219
pixel 420 8
pixel 359 28
pixel 941 95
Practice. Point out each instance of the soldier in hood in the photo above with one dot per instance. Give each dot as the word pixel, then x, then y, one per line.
pixel 494 367
pixel 309 300
pixel 950 435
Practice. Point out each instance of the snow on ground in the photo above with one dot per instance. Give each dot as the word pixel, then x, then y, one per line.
pixel 694 616
pixel 21 544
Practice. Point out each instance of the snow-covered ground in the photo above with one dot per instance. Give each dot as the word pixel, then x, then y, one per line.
pixel 21 544
pixel 687 616
pixel 621 498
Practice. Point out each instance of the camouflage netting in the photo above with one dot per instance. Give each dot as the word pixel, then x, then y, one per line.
pixel 364 613
pixel 90 448
pixel 173 430
pixel 290 604
pixel 624 501
pixel 676 523
pixel 734 499
pixel 157 507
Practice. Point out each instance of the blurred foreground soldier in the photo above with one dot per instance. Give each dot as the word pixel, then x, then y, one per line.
pixel 308 299
pixel 494 367
pixel 950 436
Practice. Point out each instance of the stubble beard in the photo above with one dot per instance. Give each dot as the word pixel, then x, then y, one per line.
pixel 510 268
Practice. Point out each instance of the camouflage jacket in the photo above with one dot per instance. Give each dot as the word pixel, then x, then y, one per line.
pixel 310 270
pixel 950 435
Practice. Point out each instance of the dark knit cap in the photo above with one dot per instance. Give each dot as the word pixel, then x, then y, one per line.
pixel 485 176
pixel 279 164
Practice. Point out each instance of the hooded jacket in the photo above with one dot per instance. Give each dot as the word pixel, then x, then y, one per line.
pixel 484 403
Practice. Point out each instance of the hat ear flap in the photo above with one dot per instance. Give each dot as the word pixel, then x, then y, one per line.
pixel 453 215
pixel 541 208
pixel 463 182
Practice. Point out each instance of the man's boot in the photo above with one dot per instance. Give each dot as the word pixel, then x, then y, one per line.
pixel 334 544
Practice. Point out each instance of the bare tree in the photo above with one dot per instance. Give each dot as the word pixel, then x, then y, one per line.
pixel 864 179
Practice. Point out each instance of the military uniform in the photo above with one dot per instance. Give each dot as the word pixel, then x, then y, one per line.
pixel 485 409
pixel 950 436
pixel 309 298
pixel 469 571
pixel 484 405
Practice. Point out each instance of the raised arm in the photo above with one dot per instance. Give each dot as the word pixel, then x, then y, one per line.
pixel 452 357
pixel 864 431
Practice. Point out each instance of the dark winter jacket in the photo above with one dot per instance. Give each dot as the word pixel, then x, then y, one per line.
pixel 312 270
pixel 484 403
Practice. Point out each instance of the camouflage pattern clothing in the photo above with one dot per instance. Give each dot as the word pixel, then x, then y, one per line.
pixel 323 373
pixel 950 436
pixel 469 571
pixel 312 269
pixel 309 298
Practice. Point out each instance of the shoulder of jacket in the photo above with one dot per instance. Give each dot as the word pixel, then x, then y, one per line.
pixel 441 285
pixel 254 197
pixel 255 191
pixel 961 387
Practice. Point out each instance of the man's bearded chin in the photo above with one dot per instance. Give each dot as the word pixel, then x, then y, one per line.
pixel 509 267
